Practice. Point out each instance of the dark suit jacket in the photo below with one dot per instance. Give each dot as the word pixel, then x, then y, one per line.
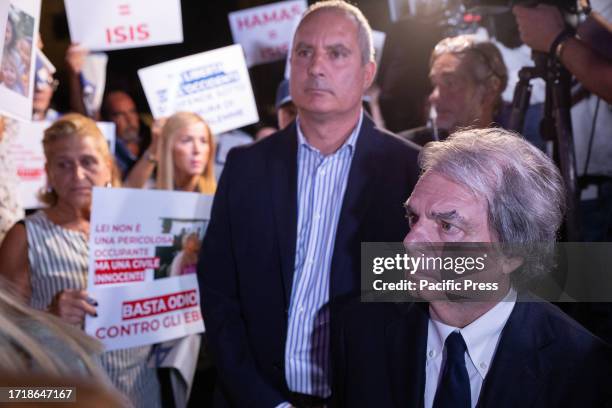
pixel 543 359
pixel 247 259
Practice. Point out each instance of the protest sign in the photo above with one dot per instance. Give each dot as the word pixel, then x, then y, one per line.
pixel 265 32
pixel 143 250
pixel 146 313
pixel 119 24
pixel 19 21
pixel 108 130
pixel 93 78
pixel 214 84
pixel 43 62
pixel 26 151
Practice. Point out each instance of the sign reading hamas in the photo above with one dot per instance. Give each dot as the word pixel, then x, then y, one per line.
pixel 265 32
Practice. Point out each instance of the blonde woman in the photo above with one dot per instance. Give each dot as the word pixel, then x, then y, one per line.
pixel 183 150
pixel 186 160
pixel 46 256
pixel 186 152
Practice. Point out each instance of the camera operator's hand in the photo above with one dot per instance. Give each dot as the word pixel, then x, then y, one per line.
pixel 539 26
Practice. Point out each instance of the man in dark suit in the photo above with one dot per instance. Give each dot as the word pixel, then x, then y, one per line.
pixel 478 186
pixel 290 212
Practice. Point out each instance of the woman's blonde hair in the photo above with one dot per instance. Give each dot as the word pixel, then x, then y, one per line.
pixel 20 351
pixel 207 183
pixel 75 124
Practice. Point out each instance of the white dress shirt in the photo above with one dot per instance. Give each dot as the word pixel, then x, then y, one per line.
pixel 481 338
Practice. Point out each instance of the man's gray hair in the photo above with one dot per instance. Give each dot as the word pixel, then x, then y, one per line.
pixel 364 31
pixel 522 186
pixel 483 59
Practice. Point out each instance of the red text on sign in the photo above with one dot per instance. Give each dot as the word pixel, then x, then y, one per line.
pixel 140 308
pixel 262 19
pixel 125 34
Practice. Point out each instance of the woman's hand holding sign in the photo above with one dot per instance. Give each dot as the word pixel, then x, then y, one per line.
pixel 72 305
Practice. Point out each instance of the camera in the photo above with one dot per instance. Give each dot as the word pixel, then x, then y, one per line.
pixel 502 6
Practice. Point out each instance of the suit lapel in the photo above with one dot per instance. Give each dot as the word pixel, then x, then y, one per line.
pixel 283 172
pixel 406 343
pixel 362 174
pixel 519 364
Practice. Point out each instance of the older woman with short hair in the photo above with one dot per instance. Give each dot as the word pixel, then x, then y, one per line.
pixel 46 256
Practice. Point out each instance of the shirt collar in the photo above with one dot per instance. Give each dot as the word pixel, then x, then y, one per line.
pixel 481 336
pixel 350 141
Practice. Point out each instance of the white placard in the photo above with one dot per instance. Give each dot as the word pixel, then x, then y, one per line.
pixel 214 84
pixel 119 24
pixel 17 63
pixel 108 130
pixel 93 77
pixel 147 313
pixel 143 248
pixel 44 61
pixel 265 32
pixel 26 151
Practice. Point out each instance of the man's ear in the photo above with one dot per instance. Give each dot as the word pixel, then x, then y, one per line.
pixel 370 73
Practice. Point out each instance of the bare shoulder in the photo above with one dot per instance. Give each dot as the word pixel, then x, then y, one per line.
pixel 14 258
pixel 15 241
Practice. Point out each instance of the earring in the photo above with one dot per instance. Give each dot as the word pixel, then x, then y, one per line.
pixel 49 189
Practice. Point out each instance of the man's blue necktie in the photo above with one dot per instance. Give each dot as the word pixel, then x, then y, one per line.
pixel 454 388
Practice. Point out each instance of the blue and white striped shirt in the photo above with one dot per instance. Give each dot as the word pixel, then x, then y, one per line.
pixel 321 185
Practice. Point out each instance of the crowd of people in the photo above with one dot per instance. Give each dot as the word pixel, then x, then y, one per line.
pixel 280 265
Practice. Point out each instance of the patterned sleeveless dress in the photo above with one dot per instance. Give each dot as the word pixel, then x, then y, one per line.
pixel 58 260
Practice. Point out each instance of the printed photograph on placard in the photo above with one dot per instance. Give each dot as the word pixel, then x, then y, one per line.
pixel 182 257
pixel 17 51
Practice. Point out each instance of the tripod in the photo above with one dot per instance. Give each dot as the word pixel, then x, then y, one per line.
pixel 556 126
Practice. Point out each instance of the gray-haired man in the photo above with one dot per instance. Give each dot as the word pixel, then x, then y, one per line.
pixel 478 186
pixel 467 77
